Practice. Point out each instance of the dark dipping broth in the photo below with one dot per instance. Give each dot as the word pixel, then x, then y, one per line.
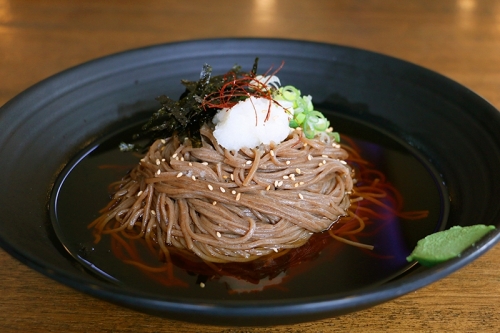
pixel 325 266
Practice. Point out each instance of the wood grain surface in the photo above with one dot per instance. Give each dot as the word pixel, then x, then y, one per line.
pixel 457 38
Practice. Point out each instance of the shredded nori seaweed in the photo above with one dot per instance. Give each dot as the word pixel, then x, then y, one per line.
pixel 185 117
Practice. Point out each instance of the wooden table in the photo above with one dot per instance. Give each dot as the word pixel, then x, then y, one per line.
pixel 458 38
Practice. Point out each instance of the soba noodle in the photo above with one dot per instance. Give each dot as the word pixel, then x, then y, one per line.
pixel 230 206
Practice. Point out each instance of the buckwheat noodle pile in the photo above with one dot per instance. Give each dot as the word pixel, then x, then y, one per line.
pixel 230 206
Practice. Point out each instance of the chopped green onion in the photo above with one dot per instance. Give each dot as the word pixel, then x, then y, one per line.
pixel 311 121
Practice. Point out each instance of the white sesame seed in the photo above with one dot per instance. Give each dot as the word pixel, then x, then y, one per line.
pixel 214 203
pixel 163 160
pixel 233 192
pixel 179 174
pixel 275 250
pixel 275 183
pixel 309 157
pixel 218 234
pixel 320 164
pixel 153 212
pixel 163 141
pixel 301 183
pixel 193 177
pixel 249 162
pixel 285 177
pixel 222 189
pixel 298 171
pixel 205 163
pixel 280 183
pixel 202 285
pixel 174 155
pixel 292 176
pixel 324 156
pixel 301 196
pixel 190 164
pixel 268 187
pixel 271 152
pixel 232 177
pixel 139 193
pixel 287 162
pixel 296 185
pixel 225 177
pixel 343 162
pixel 182 159
pixel 238 196
pixel 158 172
pixel 158 161
pixel 210 187
pixel 324 162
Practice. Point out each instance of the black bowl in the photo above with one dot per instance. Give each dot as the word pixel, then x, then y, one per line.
pixel 43 128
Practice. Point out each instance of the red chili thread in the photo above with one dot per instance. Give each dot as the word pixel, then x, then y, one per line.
pixel 235 88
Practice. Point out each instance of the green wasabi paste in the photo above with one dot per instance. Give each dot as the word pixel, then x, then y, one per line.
pixel 447 244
